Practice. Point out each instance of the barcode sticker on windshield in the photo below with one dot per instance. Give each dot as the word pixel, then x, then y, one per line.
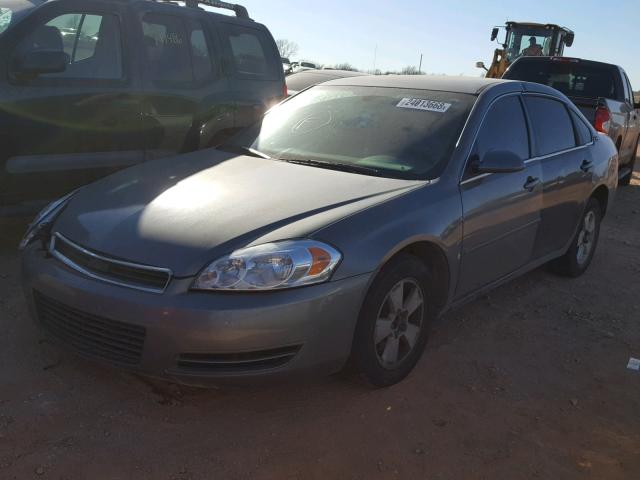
pixel 422 104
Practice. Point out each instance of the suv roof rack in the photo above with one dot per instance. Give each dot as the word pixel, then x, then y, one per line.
pixel 240 11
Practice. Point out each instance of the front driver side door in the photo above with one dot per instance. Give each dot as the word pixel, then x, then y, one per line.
pixel 73 127
pixel 501 211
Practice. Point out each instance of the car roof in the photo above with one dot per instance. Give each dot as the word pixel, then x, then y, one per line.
pixel 470 85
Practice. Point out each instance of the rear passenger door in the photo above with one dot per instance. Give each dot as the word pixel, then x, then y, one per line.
pixel 183 82
pixel 258 80
pixel 560 143
pixel 501 210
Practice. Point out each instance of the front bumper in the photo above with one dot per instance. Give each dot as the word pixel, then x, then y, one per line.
pixel 223 332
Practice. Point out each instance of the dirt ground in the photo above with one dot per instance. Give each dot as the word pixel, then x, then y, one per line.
pixel 529 382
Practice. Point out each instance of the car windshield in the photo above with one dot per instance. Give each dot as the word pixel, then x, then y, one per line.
pixel 571 77
pixel 400 133
pixel 529 42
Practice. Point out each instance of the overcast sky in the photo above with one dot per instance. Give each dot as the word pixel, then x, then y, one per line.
pixel 452 34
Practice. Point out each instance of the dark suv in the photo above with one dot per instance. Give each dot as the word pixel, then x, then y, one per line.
pixel 88 87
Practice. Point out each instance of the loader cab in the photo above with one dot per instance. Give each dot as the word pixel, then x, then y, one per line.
pixel 548 40
pixel 526 39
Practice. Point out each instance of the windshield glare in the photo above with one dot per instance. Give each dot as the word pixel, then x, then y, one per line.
pixel 398 133
pixel 5 18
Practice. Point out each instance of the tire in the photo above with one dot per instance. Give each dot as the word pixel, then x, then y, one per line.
pixel 577 259
pixel 377 339
pixel 626 181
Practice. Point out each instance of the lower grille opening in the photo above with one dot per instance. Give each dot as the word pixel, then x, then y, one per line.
pixel 90 335
pixel 237 362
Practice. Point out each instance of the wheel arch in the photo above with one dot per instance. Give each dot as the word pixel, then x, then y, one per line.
pixel 435 258
pixel 601 194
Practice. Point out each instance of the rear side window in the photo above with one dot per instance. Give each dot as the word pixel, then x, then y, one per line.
pixel 551 124
pixel 177 51
pixel 571 78
pixel 583 133
pixel 91 42
pixel 504 128
pixel 200 56
pixel 251 52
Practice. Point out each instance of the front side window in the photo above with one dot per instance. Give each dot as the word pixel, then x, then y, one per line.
pixel 401 133
pixel 90 42
pixel 503 129
pixel 249 49
pixel 551 125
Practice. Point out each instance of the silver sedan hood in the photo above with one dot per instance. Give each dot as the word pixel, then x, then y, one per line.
pixel 184 212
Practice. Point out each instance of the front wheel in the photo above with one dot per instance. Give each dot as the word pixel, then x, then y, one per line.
pixel 393 325
pixel 578 258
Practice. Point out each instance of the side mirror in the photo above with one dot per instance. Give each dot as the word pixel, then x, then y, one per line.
pixel 568 40
pixel 499 161
pixel 39 62
pixel 494 34
pixel 481 65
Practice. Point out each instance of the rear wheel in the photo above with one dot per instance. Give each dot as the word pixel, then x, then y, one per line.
pixel 578 258
pixel 626 180
pixel 393 325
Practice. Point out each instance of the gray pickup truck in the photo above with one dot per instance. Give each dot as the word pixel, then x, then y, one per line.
pixel 601 91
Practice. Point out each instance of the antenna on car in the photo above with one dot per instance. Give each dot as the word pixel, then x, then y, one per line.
pixel 240 11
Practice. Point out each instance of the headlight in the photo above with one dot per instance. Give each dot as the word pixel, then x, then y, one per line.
pixel 43 220
pixel 291 263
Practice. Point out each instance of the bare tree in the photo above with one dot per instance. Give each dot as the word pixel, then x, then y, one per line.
pixel 287 48
pixel 410 70
pixel 345 66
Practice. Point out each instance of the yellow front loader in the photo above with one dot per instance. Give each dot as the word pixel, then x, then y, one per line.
pixel 526 39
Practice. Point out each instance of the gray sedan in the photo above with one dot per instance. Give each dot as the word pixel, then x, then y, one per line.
pixel 340 226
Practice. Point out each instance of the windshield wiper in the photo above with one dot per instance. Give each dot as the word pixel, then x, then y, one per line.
pixel 244 150
pixel 342 167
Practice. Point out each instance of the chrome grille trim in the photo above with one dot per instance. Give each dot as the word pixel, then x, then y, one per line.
pixel 101 277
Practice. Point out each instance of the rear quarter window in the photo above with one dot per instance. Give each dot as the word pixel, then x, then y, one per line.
pixel 583 133
pixel 252 52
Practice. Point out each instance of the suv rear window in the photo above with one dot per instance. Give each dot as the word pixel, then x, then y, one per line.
pixel 250 49
pixel 573 78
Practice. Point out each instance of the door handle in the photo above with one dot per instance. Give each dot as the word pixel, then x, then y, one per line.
pixel 531 184
pixel 586 166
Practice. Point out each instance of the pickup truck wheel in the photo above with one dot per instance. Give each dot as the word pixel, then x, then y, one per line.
pixel 578 258
pixel 393 324
pixel 625 181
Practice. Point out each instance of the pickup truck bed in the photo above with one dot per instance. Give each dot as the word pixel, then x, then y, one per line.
pixel 601 91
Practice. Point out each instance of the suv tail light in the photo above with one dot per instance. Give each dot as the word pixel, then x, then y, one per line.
pixel 603 119
pixel 285 91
